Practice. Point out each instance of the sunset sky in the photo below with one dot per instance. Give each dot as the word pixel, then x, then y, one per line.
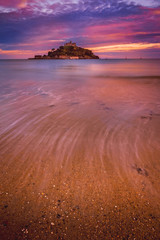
pixel 110 28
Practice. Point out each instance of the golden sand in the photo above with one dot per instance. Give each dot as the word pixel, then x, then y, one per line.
pixel 81 165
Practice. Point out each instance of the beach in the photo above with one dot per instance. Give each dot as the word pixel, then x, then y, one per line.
pixel 79 149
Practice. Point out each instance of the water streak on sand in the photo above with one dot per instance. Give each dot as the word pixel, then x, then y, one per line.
pixel 64 116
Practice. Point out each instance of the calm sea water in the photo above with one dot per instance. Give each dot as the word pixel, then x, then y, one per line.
pixel 102 112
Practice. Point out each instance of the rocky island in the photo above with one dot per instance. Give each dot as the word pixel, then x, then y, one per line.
pixel 68 51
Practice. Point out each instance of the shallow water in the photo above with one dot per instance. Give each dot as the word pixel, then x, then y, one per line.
pixel 103 114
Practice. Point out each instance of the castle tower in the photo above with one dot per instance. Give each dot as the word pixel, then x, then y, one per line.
pixel 70 44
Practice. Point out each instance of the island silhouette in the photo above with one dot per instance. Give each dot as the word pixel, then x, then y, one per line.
pixel 69 51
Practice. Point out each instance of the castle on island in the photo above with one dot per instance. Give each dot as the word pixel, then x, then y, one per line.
pixel 70 50
pixel 70 44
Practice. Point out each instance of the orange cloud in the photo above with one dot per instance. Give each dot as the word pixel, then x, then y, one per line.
pixel 22 4
pixel 125 47
pixel 157 12
pixel 20 53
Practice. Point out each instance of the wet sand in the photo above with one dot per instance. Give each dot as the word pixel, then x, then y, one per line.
pixel 80 161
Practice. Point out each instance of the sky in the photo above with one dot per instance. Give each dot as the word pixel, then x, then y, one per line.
pixel 110 28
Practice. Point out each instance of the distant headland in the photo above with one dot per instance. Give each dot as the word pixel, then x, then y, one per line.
pixel 69 51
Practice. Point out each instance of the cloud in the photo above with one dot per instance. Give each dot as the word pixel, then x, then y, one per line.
pixel 17 52
pixel 58 7
pixel 125 47
pixel 147 3
pixel 12 5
